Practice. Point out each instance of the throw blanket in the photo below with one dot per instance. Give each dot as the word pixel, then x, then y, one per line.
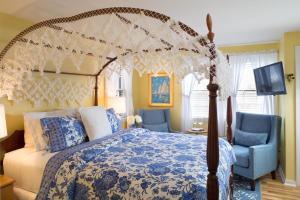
pixel 135 164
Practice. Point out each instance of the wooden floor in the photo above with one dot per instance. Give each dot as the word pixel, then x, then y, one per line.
pixel 275 190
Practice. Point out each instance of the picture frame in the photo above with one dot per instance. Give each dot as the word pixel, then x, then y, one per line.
pixel 161 92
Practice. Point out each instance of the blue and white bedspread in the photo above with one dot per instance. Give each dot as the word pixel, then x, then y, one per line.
pixel 135 164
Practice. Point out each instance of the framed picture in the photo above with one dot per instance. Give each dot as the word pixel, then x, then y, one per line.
pixel 160 90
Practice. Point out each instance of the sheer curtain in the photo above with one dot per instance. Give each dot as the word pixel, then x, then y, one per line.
pixel 259 60
pixel 112 85
pixel 187 85
pixel 237 62
pixel 254 60
pixel 128 92
pixel 222 108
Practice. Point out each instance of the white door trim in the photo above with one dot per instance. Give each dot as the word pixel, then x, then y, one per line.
pixel 297 56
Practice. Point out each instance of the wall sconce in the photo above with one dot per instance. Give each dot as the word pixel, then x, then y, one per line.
pixel 290 77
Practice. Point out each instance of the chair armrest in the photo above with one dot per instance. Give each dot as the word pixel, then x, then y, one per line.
pixel 262 147
pixel 263 158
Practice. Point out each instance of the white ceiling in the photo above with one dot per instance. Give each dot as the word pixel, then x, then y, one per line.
pixel 234 21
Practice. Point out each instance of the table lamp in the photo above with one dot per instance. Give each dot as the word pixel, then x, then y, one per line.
pixel 3 130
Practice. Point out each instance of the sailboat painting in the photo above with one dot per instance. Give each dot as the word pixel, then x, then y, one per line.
pixel 160 90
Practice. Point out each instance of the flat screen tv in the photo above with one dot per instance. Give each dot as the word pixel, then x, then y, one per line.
pixel 270 80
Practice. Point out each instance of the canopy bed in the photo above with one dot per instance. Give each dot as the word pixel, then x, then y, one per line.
pixel 118 38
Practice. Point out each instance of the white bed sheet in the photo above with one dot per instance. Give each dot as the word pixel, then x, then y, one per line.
pixel 26 166
pixel 20 194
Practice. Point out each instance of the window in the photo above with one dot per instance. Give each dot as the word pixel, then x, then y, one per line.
pixel 199 100
pixel 247 100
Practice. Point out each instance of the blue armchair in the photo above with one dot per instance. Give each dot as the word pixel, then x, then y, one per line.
pixel 258 160
pixel 156 120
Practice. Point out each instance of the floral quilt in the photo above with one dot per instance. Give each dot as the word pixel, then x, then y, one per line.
pixel 135 164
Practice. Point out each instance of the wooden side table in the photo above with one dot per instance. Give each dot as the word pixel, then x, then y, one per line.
pixel 6 188
pixel 202 132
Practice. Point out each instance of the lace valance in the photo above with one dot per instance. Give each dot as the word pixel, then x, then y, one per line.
pixel 140 39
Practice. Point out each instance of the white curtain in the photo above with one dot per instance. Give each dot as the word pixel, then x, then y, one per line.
pixel 112 85
pixel 186 114
pixel 128 92
pixel 221 109
pixel 259 60
pixel 255 60
pixel 188 84
pixel 237 62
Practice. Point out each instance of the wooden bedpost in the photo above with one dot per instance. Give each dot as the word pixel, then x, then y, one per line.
pixel 229 116
pixel 229 136
pixel 229 120
pixel 212 153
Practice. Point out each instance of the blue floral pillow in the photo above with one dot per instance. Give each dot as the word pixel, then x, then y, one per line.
pixel 63 132
pixel 114 121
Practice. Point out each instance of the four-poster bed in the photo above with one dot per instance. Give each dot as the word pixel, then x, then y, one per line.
pixel 190 47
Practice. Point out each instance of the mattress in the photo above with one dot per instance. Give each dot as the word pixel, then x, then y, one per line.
pixel 26 166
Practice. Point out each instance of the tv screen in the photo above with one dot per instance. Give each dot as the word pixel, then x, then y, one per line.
pixel 270 80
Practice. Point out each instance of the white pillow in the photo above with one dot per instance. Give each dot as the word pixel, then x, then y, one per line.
pixel 33 130
pixel 95 121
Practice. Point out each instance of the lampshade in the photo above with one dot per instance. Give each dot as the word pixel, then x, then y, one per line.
pixel 118 104
pixel 3 130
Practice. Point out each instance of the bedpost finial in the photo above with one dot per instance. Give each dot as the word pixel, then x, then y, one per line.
pixel 209 22
pixel 210 34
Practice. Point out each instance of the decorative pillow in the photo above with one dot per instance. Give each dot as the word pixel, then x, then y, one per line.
pixel 95 121
pixel 114 121
pixel 63 132
pixel 33 131
pixel 157 127
pixel 249 139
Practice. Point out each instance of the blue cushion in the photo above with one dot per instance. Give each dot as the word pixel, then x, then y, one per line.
pixel 63 132
pixel 242 155
pixel 157 127
pixel 114 121
pixel 153 116
pixel 255 123
pixel 249 139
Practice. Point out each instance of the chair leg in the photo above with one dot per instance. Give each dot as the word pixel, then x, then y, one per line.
pixel 252 184
pixel 273 173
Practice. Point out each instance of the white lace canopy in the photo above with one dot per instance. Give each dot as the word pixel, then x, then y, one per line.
pixel 143 40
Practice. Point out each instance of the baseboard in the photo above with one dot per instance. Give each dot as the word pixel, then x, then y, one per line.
pixel 291 183
pixel 286 182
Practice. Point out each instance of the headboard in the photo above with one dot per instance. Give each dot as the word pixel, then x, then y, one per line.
pixel 13 142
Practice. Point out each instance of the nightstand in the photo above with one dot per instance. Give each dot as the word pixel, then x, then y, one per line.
pixel 203 132
pixel 6 188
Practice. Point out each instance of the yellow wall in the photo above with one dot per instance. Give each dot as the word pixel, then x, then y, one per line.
pixel 249 48
pixel 281 101
pixel 288 103
pixel 9 27
pixel 140 90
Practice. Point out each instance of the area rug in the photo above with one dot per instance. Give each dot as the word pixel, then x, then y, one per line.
pixel 242 190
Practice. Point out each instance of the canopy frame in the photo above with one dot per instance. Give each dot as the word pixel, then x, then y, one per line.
pixel 212 141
